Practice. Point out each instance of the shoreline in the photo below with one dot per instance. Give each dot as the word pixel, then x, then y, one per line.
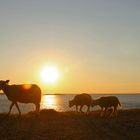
pixel 85 92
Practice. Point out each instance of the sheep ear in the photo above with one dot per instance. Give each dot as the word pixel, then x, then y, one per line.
pixel 7 81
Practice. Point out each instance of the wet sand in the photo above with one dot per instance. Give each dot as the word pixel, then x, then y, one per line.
pixel 52 125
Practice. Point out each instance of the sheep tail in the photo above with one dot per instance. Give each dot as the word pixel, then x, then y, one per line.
pixel 119 103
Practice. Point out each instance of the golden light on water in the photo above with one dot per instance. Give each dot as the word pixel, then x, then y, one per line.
pixel 49 101
pixel 49 75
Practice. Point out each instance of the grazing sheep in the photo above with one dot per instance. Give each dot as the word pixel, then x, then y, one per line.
pixel 107 102
pixel 22 94
pixel 81 100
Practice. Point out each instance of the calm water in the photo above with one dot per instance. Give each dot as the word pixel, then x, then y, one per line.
pixel 60 102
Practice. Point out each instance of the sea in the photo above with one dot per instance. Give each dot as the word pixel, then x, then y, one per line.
pixel 60 102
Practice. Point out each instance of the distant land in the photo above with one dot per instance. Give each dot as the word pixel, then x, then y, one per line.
pixel 86 92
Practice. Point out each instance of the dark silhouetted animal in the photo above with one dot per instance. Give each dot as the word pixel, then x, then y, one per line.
pixel 21 93
pixel 107 102
pixel 81 100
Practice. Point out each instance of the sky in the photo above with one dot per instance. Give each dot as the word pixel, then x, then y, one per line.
pixel 93 43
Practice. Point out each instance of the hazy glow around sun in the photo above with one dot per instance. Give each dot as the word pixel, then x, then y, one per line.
pixel 49 74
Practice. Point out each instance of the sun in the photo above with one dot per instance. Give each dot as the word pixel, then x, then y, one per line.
pixel 49 74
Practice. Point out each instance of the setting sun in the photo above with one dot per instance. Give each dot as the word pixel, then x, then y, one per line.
pixel 49 75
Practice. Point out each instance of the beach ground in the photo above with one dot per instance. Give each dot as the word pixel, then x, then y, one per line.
pixel 52 125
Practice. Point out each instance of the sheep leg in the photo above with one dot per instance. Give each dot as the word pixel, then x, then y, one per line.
pixel 10 108
pixel 37 107
pixel 18 109
pixel 88 109
pixel 113 110
pixel 77 108
pixel 101 113
pixel 105 112
pixel 81 108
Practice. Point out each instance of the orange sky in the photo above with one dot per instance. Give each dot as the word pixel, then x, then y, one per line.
pixel 94 44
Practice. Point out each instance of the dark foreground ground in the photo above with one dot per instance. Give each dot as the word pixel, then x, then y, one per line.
pixel 52 125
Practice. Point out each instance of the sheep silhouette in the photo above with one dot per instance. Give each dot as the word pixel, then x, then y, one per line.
pixel 81 100
pixel 21 93
pixel 107 102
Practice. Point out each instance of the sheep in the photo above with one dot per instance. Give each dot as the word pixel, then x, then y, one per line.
pixel 107 102
pixel 81 100
pixel 21 93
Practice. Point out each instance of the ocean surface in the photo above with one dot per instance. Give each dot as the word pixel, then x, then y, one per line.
pixel 60 102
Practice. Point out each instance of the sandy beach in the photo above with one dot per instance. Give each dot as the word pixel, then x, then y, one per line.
pixel 52 125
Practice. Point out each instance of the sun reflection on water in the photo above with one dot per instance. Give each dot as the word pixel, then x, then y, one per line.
pixel 49 102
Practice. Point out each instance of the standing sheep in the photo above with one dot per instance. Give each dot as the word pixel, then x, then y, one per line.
pixel 81 100
pixel 22 94
pixel 106 102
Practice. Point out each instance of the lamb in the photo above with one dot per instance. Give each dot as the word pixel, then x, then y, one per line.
pixel 81 100
pixel 107 102
pixel 21 93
